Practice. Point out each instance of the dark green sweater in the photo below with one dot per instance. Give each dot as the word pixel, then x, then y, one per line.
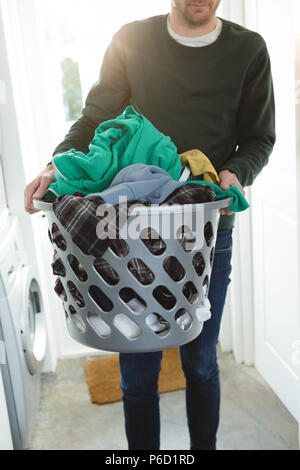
pixel 217 98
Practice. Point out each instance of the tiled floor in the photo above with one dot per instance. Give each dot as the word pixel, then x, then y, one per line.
pixel 252 417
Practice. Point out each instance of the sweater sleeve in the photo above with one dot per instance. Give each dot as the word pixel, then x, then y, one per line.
pixel 255 122
pixel 106 99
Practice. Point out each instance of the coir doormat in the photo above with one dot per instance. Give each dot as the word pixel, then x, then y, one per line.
pixel 103 376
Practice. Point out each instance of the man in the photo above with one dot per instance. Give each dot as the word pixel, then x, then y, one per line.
pixel 206 83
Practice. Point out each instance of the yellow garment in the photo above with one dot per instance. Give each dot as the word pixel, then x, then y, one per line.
pixel 199 164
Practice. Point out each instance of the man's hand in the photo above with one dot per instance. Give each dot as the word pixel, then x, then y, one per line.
pixel 38 188
pixel 228 179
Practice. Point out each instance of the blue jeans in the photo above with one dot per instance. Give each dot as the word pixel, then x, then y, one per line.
pixel 140 373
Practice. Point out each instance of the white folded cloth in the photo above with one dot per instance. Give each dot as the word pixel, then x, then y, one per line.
pixel 136 305
pixel 99 325
pixel 203 313
pixel 127 326
pixel 184 320
pixel 157 323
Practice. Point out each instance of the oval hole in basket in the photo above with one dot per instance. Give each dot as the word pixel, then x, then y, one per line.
pixel 199 263
pixel 101 299
pixel 140 271
pixel 205 286
pixel 208 233
pixel 126 326
pixel 77 268
pixel 57 237
pixel 59 290
pixel 183 319
pixel 77 320
pixel 211 256
pixel 190 292
pixel 164 297
pixel 66 312
pixel 99 325
pixel 158 324
pixel 186 238
pixel 152 241
pixel 106 271
pixel 58 268
pixel 133 300
pixel 76 294
pixel 119 247
pixel 173 268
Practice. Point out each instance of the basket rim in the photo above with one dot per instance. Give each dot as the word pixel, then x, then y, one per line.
pixel 154 208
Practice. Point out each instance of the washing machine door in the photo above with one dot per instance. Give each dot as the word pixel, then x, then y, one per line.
pixel 33 324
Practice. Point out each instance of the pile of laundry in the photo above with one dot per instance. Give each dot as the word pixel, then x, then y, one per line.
pixel 132 162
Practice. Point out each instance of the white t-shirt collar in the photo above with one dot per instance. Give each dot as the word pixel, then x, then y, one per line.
pixel 199 41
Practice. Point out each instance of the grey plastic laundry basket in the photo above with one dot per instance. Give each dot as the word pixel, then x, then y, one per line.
pixel 83 322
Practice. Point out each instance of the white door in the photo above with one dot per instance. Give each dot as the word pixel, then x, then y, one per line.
pixel 274 216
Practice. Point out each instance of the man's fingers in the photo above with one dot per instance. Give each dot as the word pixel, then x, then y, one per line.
pixel 38 188
pixel 241 189
pixel 33 211
pixel 228 179
pixel 42 189
pixel 28 193
pixel 227 182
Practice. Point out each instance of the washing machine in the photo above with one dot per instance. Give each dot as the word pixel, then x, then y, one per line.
pixel 23 332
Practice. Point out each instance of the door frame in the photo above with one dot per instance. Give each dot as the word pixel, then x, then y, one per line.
pixel 237 331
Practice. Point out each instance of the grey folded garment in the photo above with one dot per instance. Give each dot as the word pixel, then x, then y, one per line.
pixel 139 182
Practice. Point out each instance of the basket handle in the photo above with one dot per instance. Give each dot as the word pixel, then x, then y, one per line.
pixel 220 203
pixel 185 174
pixel 42 205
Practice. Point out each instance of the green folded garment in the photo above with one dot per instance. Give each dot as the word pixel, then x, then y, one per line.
pixel 128 139
pixel 239 203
